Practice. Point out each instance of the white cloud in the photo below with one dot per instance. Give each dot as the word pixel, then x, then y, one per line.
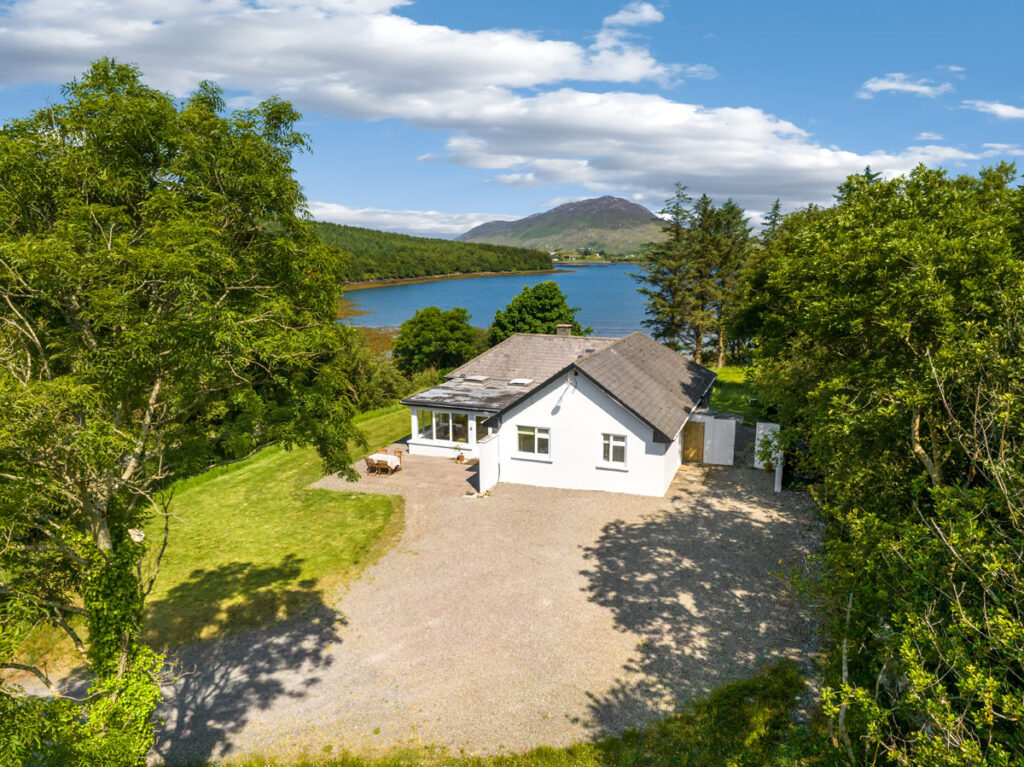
pixel 994 150
pixel 928 136
pixel 633 15
pixel 997 108
pixel 950 68
pixel 312 51
pixel 898 82
pixel 507 100
pixel 699 72
pixel 430 223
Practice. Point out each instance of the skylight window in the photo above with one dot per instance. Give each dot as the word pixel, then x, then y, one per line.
pixel 520 382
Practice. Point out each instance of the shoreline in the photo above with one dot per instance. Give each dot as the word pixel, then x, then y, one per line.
pixel 387 281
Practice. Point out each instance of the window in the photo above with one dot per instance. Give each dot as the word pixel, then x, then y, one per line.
pixel 460 427
pixel 614 448
pixel 425 422
pixel 533 439
pixel 443 426
pixel 481 430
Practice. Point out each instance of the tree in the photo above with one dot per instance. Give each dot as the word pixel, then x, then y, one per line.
pixel 436 339
pixel 770 226
pixel 540 309
pixel 732 253
pixel 662 278
pixel 892 344
pixel 691 277
pixel 163 304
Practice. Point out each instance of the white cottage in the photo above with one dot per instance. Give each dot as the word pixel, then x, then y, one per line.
pixel 586 413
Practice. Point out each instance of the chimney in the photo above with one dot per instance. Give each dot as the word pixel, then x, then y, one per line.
pixel 563 330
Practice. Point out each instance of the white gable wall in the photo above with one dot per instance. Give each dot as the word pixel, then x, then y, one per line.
pixel 578 412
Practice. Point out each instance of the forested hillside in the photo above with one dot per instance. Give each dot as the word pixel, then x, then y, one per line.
pixel 382 255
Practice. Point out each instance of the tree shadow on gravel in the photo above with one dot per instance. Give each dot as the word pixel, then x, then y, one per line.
pixel 219 683
pixel 700 582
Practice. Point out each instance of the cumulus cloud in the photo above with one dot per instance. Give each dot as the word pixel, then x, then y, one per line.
pixel 928 136
pixel 506 100
pixel 997 108
pixel 634 15
pixel 330 51
pixel 429 223
pixel 899 82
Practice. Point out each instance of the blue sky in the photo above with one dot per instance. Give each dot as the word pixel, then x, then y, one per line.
pixel 435 116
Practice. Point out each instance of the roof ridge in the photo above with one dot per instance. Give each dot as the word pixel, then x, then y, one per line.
pixel 602 350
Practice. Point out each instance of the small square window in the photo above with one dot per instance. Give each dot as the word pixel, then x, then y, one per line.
pixel 613 448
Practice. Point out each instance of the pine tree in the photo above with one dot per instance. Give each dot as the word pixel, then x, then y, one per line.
pixel 661 280
pixel 771 223
pixel 691 278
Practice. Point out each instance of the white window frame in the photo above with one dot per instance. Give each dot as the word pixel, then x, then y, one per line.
pixel 610 442
pixel 535 454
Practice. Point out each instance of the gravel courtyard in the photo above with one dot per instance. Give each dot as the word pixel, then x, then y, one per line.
pixel 526 617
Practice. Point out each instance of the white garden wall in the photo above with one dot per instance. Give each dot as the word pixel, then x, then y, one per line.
pixel 488 469
pixel 719 438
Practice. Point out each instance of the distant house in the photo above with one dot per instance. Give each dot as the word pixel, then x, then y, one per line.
pixel 614 414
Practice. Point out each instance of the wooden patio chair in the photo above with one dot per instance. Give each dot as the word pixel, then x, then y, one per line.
pixel 371 466
pixel 398 453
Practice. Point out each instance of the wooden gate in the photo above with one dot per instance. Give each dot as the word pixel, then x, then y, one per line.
pixel 693 442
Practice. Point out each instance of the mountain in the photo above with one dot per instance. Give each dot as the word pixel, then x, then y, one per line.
pixel 608 224
pixel 384 255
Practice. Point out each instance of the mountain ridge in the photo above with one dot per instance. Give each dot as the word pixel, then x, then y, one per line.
pixel 609 224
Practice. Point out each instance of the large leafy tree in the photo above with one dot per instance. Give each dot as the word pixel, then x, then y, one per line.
pixel 892 343
pixel 540 309
pixel 436 339
pixel 162 305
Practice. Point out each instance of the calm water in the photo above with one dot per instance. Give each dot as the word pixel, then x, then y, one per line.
pixel 607 297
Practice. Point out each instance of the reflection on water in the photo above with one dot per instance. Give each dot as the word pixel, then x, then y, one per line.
pixel 607 297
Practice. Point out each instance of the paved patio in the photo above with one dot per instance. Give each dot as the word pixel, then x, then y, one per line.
pixel 528 616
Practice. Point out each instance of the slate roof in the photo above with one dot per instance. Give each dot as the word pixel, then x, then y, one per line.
pixel 659 385
pixel 655 383
pixel 531 355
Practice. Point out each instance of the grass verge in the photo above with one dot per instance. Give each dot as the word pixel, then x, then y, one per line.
pixel 732 394
pixel 738 725
pixel 250 542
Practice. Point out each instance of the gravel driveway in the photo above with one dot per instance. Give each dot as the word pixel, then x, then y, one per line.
pixel 529 616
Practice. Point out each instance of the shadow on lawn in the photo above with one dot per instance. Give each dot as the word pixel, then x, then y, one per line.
pixel 218 683
pixel 699 582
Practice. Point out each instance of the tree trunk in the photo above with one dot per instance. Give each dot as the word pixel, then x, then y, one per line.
pixel 698 344
pixel 721 345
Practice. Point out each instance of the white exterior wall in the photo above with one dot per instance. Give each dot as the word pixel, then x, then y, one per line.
pixel 674 459
pixel 577 414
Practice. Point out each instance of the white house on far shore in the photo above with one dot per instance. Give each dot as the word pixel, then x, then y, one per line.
pixel 573 412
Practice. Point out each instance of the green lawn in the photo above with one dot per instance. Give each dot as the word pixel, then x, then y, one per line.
pixel 732 394
pixel 250 542
pixel 738 725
